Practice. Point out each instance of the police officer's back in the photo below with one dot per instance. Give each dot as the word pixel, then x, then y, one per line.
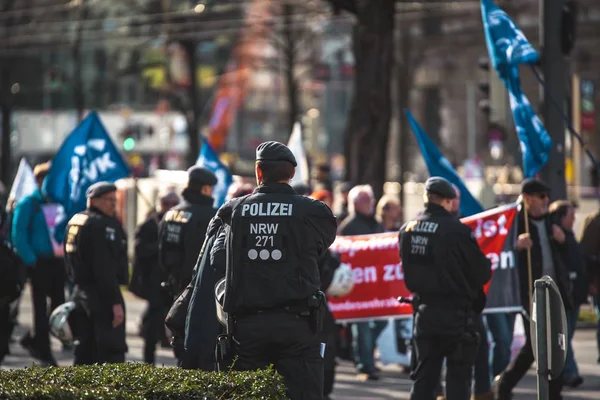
pixel 96 260
pixel 275 239
pixel 446 270
pixel 183 228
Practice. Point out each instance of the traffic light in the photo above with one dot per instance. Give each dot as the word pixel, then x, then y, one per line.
pixel 484 86
pixel 128 144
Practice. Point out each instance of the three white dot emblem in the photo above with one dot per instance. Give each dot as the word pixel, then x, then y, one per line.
pixel 265 254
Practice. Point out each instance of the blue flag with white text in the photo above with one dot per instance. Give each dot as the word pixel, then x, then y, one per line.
pixel 508 48
pixel 209 159
pixel 87 156
pixel 438 165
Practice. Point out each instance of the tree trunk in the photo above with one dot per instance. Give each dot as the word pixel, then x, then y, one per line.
pixel 289 55
pixel 78 95
pixel 193 116
pixel 367 132
pixel 404 80
pixel 5 98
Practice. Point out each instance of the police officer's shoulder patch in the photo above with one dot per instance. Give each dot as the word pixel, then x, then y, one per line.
pixel 79 219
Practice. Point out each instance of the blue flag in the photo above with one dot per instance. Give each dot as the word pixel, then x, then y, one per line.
pixel 508 48
pixel 438 165
pixel 209 159
pixel 87 156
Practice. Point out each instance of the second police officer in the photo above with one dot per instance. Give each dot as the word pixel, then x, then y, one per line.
pixel 270 244
pixel 96 261
pixel 181 234
pixel 445 270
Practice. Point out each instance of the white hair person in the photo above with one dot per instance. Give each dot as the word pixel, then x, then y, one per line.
pixel 361 199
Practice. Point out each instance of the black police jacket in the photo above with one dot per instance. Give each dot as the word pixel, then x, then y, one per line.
pixel 181 234
pixel 96 259
pixel 147 275
pixel 271 243
pixel 442 261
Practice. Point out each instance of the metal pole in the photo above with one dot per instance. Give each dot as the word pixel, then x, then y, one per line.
pixel 576 147
pixel 541 329
pixel 471 120
pixel 553 67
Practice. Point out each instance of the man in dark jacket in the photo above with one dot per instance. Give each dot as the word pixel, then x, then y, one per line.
pixel 96 260
pixel 543 241
pixel 562 213
pixel 147 276
pixel 181 234
pixel 361 221
pixel 590 243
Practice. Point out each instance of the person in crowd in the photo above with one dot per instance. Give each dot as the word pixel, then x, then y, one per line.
pixel 147 276
pixel 96 260
pixel 323 195
pixel 562 213
pixel 45 271
pixel 273 284
pixel 389 213
pixel 302 188
pixel 181 233
pixel 361 221
pixel 445 270
pixel 343 190
pixel 542 241
pixel 322 179
pixel 590 243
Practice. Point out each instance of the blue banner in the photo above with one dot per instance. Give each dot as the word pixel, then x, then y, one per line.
pixel 87 156
pixel 438 165
pixel 209 159
pixel 508 48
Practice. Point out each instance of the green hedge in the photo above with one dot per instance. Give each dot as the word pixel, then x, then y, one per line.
pixel 137 381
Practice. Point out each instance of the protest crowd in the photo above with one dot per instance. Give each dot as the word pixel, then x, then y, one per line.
pixel 161 246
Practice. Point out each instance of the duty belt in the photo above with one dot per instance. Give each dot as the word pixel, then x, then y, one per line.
pixel 445 301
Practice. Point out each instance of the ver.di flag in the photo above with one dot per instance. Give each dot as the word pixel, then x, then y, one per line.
pixel 296 145
pixel 379 278
pixel 87 156
pixel 208 158
pixel 438 165
pixel 508 48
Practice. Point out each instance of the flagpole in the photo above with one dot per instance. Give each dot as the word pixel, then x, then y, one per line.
pixel 529 274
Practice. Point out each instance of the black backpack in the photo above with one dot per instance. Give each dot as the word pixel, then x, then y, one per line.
pixel 12 274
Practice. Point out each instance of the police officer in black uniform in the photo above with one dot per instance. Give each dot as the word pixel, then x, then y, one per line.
pixel 445 270
pixel 181 234
pixel 271 242
pixel 96 261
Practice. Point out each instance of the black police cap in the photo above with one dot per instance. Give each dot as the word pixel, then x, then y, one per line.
pixel 533 186
pixel 100 188
pixel 275 151
pixel 440 186
pixel 202 176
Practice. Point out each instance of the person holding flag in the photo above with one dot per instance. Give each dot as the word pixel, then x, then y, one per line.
pixel 46 272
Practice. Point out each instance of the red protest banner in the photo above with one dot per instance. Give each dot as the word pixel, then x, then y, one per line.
pixel 379 280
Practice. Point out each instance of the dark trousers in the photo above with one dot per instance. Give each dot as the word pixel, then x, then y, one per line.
pixel 329 337
pixel 47 280
pixel 286 341
pixel 153 329
pixel 5 329
pixel 519 367
pixel 431 353
pixel 482 371
pixel 96 344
